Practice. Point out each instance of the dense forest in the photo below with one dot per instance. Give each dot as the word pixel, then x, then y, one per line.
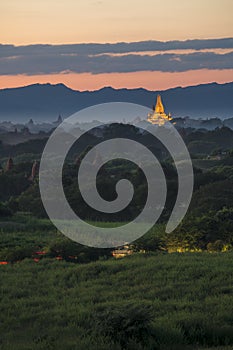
pixel 171 291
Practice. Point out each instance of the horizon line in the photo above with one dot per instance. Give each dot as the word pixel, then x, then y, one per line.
pixel 114 42
pixel 111 87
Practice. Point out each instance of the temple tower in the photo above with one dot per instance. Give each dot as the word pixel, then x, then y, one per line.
pixel 159 105
pixel 34 170
pixel 9 164
pixel 158 116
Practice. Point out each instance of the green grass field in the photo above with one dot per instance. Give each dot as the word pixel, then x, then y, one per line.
pixel 146 301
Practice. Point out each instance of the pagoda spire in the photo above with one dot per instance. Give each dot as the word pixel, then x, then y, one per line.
pixel 158 115
pixel 159 105
pixel 9 164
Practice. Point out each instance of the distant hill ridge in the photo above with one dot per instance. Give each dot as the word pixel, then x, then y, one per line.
pixel 44 102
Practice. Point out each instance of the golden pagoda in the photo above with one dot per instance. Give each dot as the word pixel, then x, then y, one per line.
pixel 158 117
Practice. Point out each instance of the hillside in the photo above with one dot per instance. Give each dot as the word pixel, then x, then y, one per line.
pixel 43 102
pixel 144 302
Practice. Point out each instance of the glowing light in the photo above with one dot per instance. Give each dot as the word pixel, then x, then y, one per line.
pixel 159 117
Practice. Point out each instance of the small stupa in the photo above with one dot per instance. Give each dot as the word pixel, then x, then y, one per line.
pixel 34 171
pixel 9 164
pixel 58 121
pixel 98 159
pixel 158 116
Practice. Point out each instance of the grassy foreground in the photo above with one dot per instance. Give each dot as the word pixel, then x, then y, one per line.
pixel 155 301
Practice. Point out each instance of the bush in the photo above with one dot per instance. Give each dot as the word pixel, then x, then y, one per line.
pixel 125 324
pixel 16 254
pixel 5 211
pixel 216 246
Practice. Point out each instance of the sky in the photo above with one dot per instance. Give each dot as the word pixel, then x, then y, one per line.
pixel 147 63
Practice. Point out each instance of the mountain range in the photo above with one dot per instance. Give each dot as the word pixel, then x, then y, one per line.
pixel 44 102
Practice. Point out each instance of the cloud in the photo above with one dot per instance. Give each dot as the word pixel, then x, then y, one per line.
pixel 96 58
pixel 123 47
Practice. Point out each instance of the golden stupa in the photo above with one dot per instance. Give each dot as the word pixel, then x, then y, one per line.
pixel 158 117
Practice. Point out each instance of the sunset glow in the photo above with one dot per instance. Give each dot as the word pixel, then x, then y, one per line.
pixel 148 80
pixel 72 21
pixel 28 22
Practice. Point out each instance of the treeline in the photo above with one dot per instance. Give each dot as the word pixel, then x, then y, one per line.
pixel 198 141
pixel 207 225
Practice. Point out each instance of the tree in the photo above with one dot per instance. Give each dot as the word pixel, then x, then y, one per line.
pixel 5 210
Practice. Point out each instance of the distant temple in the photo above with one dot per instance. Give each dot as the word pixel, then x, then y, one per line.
pixel 34 170
pixel 98 159
pixel 9 164
pixel 58 121
pixel 158 117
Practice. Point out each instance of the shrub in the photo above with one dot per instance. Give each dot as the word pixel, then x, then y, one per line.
pixel 216 246
pixel 125 324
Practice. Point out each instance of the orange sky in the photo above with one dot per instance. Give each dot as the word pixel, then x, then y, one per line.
pixel 148 80
pixel 77 21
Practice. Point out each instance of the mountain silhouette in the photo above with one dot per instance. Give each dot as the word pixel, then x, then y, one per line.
pixel 44 102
